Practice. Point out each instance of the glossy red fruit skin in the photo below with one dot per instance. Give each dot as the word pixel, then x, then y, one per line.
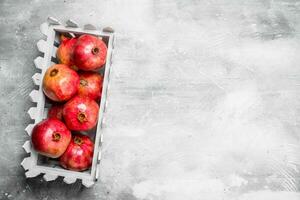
pixel 60 83
pixel 65 51
pixel 90 85
pixel 56 111
pixel 79 154
pixel 50 138
pixel 89 53
pixel 80 113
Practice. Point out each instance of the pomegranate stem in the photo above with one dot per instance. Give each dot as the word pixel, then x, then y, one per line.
pixel 82 117
pixel 77 140
pixel 83 82
pixel 56 136
pixel 53 72
pixel 95 50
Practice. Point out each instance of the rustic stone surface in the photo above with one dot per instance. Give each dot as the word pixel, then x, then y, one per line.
pixel 203 100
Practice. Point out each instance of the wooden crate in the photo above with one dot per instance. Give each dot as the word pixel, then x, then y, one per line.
pixel 36 164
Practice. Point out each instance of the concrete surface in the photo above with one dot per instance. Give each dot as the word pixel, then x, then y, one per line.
pixel 203 103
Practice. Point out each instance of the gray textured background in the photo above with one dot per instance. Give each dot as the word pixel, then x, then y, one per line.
pixel 203 103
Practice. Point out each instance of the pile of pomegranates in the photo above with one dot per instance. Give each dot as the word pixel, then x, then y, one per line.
pixel 74 87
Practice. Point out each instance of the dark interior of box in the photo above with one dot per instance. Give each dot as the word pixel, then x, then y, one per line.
pixel 54 163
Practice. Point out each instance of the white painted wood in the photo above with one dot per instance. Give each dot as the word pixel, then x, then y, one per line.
pixel 37 78
pixel 38 62
pixel 32 173
pixel 97 172
pixel 59 171
pixel 111 59
pixel 50 177
pixel 54 52
pixel 103 104
pixel 89 27
pixel 72 35
pixel 63 29
pixel 29 128
pixel 101 137
pixel 32 112
pixel 103 123
pixel 44 28
pixel 70 180
pixel 45 113
pixel 46 62
pixel 53 21
pixel 27 163
pixel 71 23
pixel 99 155
pixel 41 45
pixel 27 146
pixel 106 103
pixel 34 96
pixel 87 183
pixel 108 29
pixel 114 42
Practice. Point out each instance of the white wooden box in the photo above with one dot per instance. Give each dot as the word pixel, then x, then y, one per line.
pixel 36 164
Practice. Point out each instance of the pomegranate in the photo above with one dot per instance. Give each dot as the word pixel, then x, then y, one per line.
pixel 56 112
pixel 64 52
pixel 80 113
pixel 60 83
pixel 90 85
pixel 50 138
pixel 79 154
pixel 89 53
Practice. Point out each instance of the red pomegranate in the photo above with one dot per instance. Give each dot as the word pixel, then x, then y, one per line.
pixel 56 112
pixel 89 53
pixel 64 52
pixel 90 85
pixel 60 83
pixel 79 154
pixel 80 113
pixel 50 138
